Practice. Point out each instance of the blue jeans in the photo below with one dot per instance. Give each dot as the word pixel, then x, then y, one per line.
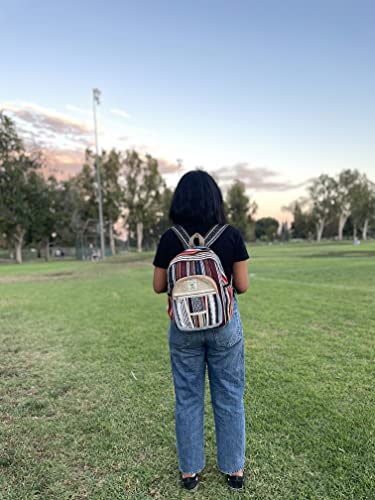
pixel 222 349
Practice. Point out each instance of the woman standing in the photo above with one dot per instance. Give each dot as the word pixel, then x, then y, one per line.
pixel 197 205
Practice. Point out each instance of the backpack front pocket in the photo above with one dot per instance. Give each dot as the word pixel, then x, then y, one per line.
pixel 196 304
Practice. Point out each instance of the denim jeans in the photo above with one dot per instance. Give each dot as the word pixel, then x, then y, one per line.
pixel 222 350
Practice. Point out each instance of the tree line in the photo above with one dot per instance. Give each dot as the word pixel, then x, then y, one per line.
pixel 334 204
pixel 38 210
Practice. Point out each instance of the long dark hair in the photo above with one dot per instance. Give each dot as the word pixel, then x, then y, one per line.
pixel 197 200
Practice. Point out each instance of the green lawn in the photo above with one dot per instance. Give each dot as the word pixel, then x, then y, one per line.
pixel 87 396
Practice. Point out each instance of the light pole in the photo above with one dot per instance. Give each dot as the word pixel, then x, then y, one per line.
pixel 96 100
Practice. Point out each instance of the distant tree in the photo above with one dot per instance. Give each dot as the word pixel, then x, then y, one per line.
pixel 142 194
pixel 112 192
pixel 285 233
pixel 266 228
pixel 239 209
pixel 85 184
pixel 302 225
pixel 322 192
pixel 18 176
pixel 44 215
pixel 343 197
pixel 10 142
pixel 363 205
pixel 73 213
pixel 110 170
pixel 162 222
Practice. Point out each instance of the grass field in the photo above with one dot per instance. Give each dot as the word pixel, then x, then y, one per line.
pixel 87 401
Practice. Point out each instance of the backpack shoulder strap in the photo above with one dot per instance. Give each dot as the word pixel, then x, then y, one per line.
pixel 182 235
pixel 214 233
pixel 210 232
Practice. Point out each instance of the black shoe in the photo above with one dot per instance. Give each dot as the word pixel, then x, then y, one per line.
pixel 190 483
pixel 236 482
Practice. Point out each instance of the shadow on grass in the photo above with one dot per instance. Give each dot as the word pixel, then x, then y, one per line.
pixel 354 254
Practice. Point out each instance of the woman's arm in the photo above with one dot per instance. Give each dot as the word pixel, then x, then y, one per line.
pixel 240 276
pixel 160 280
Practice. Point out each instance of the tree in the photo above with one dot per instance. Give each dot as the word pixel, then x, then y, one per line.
pixel 363 205
pixel 111 166
pixel 142 193
pixel 346 184
pixel 322 197
pixel 266 228
pixel 44 216
pixel 110 171
pixel 18 178
pixel 239 209
pixel 162 222
pixel 302 225
pixel 72 209
pixel 285 233
pixel 10 142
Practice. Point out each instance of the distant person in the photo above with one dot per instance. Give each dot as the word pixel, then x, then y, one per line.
pixel 197 206
pixel 94 253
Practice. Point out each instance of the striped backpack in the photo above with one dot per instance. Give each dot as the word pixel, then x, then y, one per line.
pixel 199 293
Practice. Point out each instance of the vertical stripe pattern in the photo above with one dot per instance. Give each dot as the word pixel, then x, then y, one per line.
pixel 199 311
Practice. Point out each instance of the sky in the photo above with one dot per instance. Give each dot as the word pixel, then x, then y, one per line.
pixel 271 92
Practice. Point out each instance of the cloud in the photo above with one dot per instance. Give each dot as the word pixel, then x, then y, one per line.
pixel 168 167
pixel 46 120
pixel 123 138
pixel 256 178
pixel 62 163
pixel 77 109
pixel 61 139
pixel 120 112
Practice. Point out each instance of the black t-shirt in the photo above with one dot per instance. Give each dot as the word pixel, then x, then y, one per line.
pixel 229 247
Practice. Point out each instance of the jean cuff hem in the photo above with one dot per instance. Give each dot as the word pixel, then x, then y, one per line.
pixel 192 472
pixel 234 470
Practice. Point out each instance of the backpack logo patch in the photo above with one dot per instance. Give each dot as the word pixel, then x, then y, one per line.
pixel 192 285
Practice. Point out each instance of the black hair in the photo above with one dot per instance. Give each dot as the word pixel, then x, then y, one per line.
pixel 197 199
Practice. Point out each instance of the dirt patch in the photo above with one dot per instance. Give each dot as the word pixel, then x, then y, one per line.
pixel 37 277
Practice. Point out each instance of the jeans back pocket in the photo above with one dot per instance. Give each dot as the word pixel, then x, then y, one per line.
pixel 229 334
